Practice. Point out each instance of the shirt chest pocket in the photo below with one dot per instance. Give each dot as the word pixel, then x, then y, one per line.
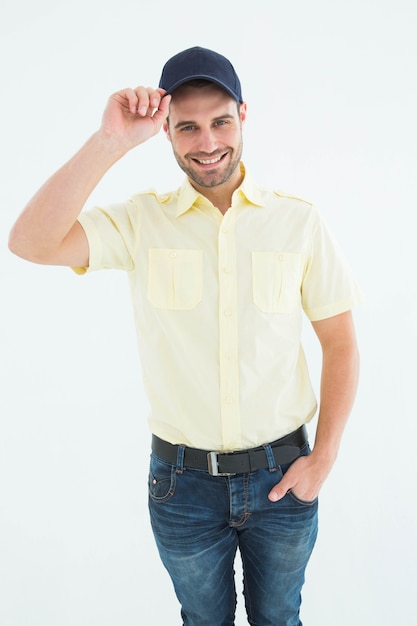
pixel 276 281
pixel 175 278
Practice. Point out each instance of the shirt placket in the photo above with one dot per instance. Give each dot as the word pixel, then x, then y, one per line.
pixel 228 334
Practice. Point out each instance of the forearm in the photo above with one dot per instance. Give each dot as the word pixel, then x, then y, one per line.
pixel 339 381
pixel 51 213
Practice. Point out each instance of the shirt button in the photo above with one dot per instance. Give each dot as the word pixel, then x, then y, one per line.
pixel 228 312
pixel 172 255
pixel 228 356
pixel 227 269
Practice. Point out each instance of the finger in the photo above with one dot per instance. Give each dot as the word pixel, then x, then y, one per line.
pixel 280 490
pixel 132 99
pixel 155 97
pixel 143 104
pixel 161 113
pixel 148 100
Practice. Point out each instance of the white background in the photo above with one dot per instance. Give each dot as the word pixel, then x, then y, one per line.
pixel 332 101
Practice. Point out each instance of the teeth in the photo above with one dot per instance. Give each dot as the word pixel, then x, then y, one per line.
pixel 208 161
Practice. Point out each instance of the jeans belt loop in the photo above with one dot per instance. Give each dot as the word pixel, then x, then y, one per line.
pixel 180 458
pixel 272 466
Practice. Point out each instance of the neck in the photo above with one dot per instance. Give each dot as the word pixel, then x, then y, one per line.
pixel 221 201
pixel 221 195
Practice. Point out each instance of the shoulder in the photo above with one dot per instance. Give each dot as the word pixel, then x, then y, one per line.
pixel 287 204
pixel 296 200
pixel 154 202
pixel 270 196
pixel 151 196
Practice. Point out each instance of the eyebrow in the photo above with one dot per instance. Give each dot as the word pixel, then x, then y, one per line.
pixel 194 123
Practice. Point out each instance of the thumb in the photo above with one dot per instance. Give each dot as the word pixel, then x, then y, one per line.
pixel 281 489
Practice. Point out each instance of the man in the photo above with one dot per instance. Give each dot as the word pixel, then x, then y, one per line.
pixel 220 271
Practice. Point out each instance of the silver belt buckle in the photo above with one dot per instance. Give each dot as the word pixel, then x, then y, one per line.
pixel 213 465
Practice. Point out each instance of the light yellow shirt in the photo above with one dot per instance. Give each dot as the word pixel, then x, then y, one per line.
pixel 218 303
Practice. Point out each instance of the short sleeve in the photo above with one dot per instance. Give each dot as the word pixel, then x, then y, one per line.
pixel 329 286
pixel 112 235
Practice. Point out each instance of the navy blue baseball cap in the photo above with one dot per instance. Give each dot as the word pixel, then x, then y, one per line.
pixel 200 63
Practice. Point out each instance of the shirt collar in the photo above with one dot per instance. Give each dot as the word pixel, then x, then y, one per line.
pixel 250 189
pixel 188 196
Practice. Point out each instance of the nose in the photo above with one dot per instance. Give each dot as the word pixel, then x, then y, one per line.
pixel 207 142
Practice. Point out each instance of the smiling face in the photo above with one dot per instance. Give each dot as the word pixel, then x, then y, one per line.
pixel 205 129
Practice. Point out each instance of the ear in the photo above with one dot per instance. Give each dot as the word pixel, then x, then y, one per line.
pixel 166 129
pixel 242 112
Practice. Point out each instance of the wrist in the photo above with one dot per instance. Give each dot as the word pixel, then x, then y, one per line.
pixel 109 145
pixel 324 454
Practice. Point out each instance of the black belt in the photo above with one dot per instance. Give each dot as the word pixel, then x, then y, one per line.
pixel 284 450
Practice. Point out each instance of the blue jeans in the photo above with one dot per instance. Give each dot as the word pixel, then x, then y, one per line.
pixel 200 520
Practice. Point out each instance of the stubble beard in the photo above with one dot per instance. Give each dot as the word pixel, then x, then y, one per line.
pixel 214 177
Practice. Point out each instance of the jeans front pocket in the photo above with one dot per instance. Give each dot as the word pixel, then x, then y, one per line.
pixel 161 480
pixel 175 278
pixel 305 451
pixel 276 280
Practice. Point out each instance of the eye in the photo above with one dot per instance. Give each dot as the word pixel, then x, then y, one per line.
pixel 220 123
pixel 187 128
